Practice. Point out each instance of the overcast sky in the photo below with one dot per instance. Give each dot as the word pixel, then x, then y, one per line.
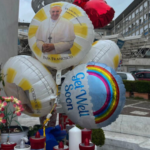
pixel 26 12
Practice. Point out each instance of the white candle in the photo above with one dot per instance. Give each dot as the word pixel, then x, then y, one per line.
pixel 95 147
pixel 74 138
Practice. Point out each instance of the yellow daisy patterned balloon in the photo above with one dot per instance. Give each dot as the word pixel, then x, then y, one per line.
pixel 29 81
pixel 104 51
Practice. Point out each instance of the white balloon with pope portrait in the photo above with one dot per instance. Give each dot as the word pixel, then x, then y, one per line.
pixel 60 35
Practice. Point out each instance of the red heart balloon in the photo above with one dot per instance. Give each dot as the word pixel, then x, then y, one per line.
pixel 98 11
pixel 80 3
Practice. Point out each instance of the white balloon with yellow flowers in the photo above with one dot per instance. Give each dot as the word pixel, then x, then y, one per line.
pixel 29 81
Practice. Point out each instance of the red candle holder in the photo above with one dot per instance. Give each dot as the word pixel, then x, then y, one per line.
pixel 86 133
pixel 61 147
pixel 86 145
pixel 6 146
pixel 37 141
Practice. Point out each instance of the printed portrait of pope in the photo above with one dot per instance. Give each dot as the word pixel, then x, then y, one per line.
pixel 56 34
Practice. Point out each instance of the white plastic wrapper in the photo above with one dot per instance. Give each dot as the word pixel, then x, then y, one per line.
pixel 29 81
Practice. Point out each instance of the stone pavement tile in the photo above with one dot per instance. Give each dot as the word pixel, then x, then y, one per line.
pixel 130 101
pixel 144 105
pixel 128 110
pixel 110 147
pixel 130 133
pixel 115 126
pixel 145 145
pixel 139 113
pixel 125 141
pixel 135 125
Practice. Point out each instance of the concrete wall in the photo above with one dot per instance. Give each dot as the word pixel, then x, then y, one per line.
pixel 9 10
pixel 135 64
pixel 8 29
pixel 137 61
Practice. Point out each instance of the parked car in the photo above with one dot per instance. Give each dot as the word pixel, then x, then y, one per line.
pixel 126 76
pixel 143 70
pixel 134 72
pixel 137 71
pixel 143 76
pixel 147 54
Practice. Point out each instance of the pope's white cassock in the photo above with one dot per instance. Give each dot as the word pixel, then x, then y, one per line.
pixel 60 32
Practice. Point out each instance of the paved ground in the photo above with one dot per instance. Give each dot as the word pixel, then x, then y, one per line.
pixel 132 107
pixel 137 108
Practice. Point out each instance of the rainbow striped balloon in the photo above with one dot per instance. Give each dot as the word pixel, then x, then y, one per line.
pixel 93 95
pixel 112 90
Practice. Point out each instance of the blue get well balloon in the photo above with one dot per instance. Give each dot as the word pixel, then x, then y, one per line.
pixel 92 95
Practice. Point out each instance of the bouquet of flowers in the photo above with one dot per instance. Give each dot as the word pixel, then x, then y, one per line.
pixel 7 115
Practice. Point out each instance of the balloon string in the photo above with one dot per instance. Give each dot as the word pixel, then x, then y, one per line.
pixel 46 120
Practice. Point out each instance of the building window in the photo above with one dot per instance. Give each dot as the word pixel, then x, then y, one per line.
pixel 145 27
pixel 141 20
pixel 146 30
pixel 145 5
pixel 137 11
pixel 100 33
pixel 137 23
pixel 133 25
pixel 124 31
pixel 129 27
pixel 137 32
pixel 148 15
pixel 133 15
pixel 118 27
pixel 129 17
pixel 108 32
pixel 145 16
pixel 141 8
pixel 141 30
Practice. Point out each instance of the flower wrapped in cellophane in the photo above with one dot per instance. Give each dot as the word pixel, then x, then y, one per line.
pixel 7 113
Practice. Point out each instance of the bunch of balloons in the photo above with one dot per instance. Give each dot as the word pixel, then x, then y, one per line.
pixel 61 35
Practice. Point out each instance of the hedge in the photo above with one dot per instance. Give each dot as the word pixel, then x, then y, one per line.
pixel 137 86
pixel 98 136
